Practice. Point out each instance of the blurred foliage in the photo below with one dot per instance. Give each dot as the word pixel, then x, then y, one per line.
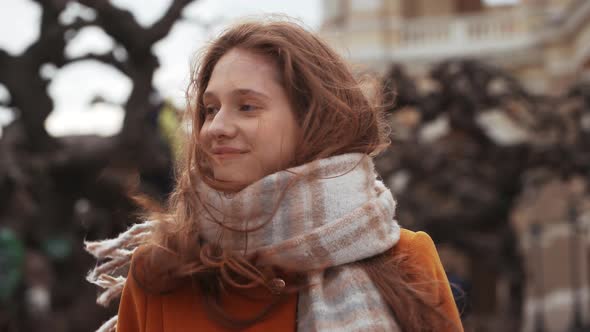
pixel 12 257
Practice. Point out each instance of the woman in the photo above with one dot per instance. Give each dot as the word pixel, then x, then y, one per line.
pixel 278 221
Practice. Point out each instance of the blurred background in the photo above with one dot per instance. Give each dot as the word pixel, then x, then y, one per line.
pixel 489 109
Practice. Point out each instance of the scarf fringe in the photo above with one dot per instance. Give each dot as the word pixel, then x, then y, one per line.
pixel 109 326
pixel 132 237
pixel 113 255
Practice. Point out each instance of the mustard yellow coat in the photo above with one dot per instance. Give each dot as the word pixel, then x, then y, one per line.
pixel 182 310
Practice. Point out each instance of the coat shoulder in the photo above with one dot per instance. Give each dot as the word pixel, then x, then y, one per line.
pixel 416 244
pixel 420 254
pixel 421 258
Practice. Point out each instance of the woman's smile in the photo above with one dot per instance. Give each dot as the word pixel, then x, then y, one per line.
pixel 227 153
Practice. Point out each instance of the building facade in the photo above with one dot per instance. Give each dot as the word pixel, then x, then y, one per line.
pixel 545 43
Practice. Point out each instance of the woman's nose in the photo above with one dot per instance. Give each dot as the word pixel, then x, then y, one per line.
pixel 222 125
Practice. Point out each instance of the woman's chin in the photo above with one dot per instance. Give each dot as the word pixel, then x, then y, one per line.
pixel 234 177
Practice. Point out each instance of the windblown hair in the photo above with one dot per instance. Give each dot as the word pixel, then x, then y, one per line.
pixel 335 116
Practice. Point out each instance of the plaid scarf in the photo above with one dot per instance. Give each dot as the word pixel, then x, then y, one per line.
pixel 315 219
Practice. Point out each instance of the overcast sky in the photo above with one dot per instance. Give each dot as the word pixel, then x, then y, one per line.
pixel 75 85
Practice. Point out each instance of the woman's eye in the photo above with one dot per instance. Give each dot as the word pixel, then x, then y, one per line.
pixel 247 108
pixel 210 110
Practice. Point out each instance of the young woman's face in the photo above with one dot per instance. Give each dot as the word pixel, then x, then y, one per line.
pixel 250 128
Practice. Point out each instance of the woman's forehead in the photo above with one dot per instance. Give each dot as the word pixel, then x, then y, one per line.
pixel 243 70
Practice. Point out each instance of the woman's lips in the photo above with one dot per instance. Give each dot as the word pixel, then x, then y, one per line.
pixel 228 155
pixel 227 152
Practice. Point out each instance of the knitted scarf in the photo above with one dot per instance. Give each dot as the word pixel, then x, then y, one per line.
pixel 317 219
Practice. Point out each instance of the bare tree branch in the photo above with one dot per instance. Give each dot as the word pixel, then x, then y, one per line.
pixel 142 63
pixel 79 24
pixel 161 28
pixel 21 76
pixel 50 45
pixel 108 58
pixel 55 5
pixel 122 25
pixel 4 61
pixel 118 23
pixel 6 103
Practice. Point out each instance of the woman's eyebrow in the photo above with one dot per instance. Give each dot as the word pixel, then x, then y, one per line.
pixel 238 92
pixel 249 92
pixel 208 94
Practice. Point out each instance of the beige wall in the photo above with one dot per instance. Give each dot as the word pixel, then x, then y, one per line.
pixel 422 8
pixel 549 285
